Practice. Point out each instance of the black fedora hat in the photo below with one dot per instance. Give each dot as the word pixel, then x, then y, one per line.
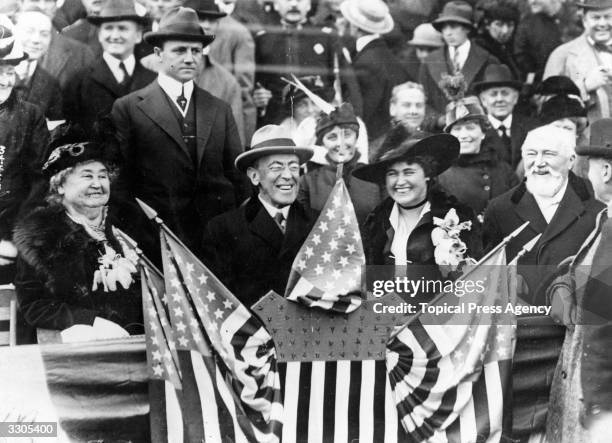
pixel 595 4
pixel 205 8
pixel 443 148
pixel 455 11
pixel 179 24
pixel 557 84
pixel 496 76
pixel 600 143
pixel 561 106
pixel 117 10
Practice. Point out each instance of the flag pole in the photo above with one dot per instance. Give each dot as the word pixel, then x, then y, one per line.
pixel 525 249
pixel 492 252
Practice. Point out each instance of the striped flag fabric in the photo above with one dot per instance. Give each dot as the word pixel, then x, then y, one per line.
pixel 450 375
pixel 231 385
pixel 326 272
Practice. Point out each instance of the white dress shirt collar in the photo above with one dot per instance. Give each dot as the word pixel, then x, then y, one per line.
pixel 402 228
pixel 507 122
pixel 173 89
pixel 272 210
pixel 113 65
pixel 463 50
pixel 363 41
pixel 548 205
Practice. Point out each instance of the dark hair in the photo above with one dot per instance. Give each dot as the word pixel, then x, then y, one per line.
pixel 428 163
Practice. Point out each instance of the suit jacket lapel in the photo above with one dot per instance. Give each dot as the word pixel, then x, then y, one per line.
pixel 55 59
pixel 297 229
pixel 155 105
pixel 528 210
pixel 263 226
pixel 102 74
pixel 567 212
pixel 205 117
pixel 472 64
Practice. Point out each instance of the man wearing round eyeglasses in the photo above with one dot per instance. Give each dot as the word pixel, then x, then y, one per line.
pixel 251 249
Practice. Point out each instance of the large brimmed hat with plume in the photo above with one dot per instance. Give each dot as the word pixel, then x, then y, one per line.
pixel 460 108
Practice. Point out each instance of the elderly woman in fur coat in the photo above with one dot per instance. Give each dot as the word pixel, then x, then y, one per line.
pixel 73 274
pixel 419 227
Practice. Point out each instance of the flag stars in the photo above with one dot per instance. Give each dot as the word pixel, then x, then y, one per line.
pixel 210 296
pixel 337 201
pixel 194 323
pixel 228 304
pixel 316 239
pixel 336 273
pixel 175 283
pixel 301 264
pixel 153 326
pixel 181 326
pixel 167 355
pixel 347 218
pixel 176 297
pixel 308 252
pixel 350 248
pixel 202 279
pixel 189 267
pixel 333 244
pixel 340 232
pixel 318 270
pixel 343 261
pixel 218 313
pixel 158 371
pixel 356 236
pixel 330 213
pixel 156 355
pixel 323 226
pixel 183 341
pixel 178 312
pixel 172 345
pixel 326 257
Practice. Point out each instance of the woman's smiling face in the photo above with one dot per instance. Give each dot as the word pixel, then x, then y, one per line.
pixel 406 183
pixel 86 187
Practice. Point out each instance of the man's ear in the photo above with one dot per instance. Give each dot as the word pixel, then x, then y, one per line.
pixel 253 175
pixel 606 171
pixel 157 51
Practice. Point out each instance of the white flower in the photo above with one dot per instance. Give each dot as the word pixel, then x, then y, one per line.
pixel 437 235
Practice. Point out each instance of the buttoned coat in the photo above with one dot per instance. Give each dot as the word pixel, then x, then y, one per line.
pixel 94 90
pixel 158 166
pixel 246 249
pixel 438 63
pixel 65 58
pixel 576 59
pixel 378 72
pixel 538 340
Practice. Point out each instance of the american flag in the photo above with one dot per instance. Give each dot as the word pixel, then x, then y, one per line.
pixel 326 272
pixel 450 374
pixel 227 358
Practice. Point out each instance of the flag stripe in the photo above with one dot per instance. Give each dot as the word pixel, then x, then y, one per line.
pixel 191 397
pixel 174 418
pixel 292 388
pixel 317 397
pixel 343 382
pixel 226 399
pixel 354 392
pixel 303 405
pixel 380 381
pixel 366 401
pixel 481 402
pixel 391 425
pixel 329 401
pixel 494 392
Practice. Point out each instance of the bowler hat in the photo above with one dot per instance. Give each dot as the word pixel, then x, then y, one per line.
pixel 205 8
pixel 468 108
pixel 595 4
pixel 496 76
pixel 271 140
pixel 426 35
pixel 455 11
pixel 370 15
pixel 179 24
pixel 600 144
pixel 117 10
pixel 443 148
pixel 10 51
pixel 557 84
pixel 561 106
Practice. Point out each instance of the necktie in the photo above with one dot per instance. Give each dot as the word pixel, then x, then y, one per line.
pixel 182 100
pixel 126 77
pixel 280 220
pixel 506 140
pixel 456 63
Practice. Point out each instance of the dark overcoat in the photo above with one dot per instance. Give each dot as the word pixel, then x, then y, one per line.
pixel 64 58
pixel 438 63
pixel 246 249
pixel 44 91
pixel 23 150
pixel 95 89
pixel 158 167
pixel 521 125
pixel 378 72
pixel 55 271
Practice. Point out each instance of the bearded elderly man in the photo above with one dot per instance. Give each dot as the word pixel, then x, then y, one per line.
pixel 251 249
pixel 560 206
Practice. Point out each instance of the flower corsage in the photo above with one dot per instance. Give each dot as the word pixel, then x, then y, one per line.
pixel 449 248
pixel 114 269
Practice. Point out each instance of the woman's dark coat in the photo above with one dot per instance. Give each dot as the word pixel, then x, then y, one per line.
pixel 378 238
pixel 55 270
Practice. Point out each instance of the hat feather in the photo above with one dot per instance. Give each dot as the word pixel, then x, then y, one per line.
pixel 454 86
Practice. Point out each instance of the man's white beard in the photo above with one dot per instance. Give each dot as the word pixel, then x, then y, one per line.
pixel 544 185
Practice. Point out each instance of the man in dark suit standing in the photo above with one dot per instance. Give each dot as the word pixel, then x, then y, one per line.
pixel 499 93
pixel 178 141
pixel 560 206
pixel 251 249
pixel 459 54
pixel 116 73
pixel 376 68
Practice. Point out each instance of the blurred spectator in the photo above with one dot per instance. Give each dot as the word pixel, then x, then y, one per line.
pixel 478 174
pixel 256 15
pixel 83 30
pixel 499 21
pixel 377 69
pixel 33 31
pixel 499 94
pixel 537 35
pixel 425 40
pixel 298 106
pixel 116 73
pixel 157 8
pixel 459 57
pixel 23 143
pixel 9 8
pixel 587 59
pixel 295 47
pixel 68 13
pixel 234 49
